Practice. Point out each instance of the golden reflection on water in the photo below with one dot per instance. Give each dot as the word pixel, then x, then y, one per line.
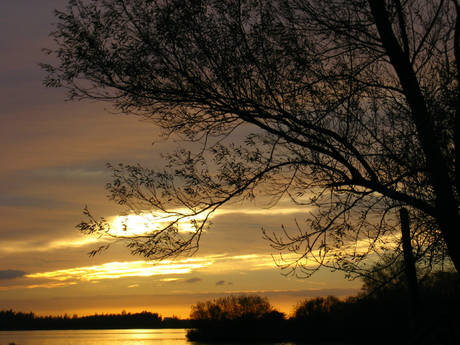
pixel 96 337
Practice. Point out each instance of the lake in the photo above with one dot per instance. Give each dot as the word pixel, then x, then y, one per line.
pixel 96 337
pixel 101 337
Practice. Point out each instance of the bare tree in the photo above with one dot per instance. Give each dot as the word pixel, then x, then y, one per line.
pixel 353 106
pixel 231 308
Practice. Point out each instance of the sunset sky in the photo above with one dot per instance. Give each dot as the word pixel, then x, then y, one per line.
pixel 53 156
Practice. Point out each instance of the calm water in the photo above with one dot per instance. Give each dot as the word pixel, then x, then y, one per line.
pixel 101 337
pixel 96 337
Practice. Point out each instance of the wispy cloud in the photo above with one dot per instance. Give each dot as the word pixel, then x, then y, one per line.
pixel 48 285
pixel 114 270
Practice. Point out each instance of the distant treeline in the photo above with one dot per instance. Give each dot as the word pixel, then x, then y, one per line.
pixel 10 320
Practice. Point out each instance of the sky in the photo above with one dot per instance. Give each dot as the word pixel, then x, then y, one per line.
pixel 53 156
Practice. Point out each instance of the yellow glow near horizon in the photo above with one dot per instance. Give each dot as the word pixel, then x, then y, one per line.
pixel 114 270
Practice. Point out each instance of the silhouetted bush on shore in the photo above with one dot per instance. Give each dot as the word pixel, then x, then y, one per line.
pixel 248 328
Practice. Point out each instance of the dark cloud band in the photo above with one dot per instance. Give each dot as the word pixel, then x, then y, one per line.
pixel 11 274
pixel 193 280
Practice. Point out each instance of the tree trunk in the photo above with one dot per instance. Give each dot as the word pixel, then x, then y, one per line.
pixel 411 274
pixel 446 215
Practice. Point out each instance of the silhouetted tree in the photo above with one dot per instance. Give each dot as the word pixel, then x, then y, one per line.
pixel 231 307
pixel 315 307
pixel 353 107
pixel 236 318
pixel 322 318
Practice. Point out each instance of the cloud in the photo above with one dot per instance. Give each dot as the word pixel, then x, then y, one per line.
pixel 193 280
pixel 115 270
pixel 11 274
pixel 169 280
pixel 50 285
